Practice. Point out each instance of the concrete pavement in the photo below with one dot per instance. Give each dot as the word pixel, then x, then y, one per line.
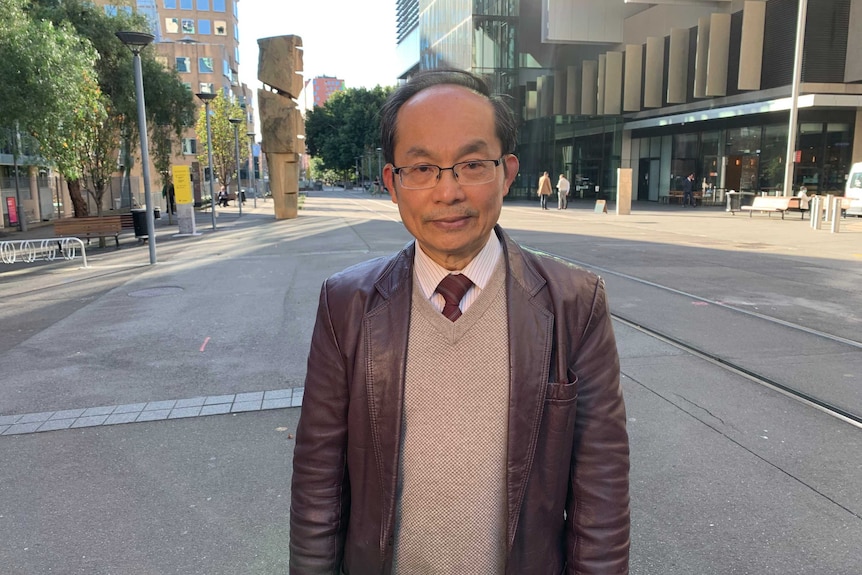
pixel 727 476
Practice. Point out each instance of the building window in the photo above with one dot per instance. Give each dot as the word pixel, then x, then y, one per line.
pixel 190 146
pixel 203 5
pixel 205 65
pixel 204 27
pixel 186 4
pixel 172 25
pixel 236 33
pixel 170 4
pixel 226 69
pixel 184 64
pixel 219 6
pixel 207 88
pixel 111 10
pixel 188 26
pixel 235 11
pixel 236 54
pixel 221 28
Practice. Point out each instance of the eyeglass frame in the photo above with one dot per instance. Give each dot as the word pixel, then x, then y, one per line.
pixel 397 171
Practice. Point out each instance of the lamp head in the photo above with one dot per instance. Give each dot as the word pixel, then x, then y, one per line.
pixel 235 120
pixel 206 97
pixel 135 40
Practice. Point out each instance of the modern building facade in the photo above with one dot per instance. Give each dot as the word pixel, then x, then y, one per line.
pixel 664 88
pixel 323 87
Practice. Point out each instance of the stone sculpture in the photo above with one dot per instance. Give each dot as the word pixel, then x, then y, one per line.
pixel 282 127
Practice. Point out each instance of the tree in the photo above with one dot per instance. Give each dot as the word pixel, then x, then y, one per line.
pixel 222 110
pixel 49 88
pixel 168 103
pixel 344 128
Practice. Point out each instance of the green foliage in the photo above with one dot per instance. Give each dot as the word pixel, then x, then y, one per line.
pixel 49 88
pixel 222 110
pixel 346 127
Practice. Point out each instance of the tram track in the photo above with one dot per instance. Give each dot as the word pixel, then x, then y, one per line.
pixel 735 367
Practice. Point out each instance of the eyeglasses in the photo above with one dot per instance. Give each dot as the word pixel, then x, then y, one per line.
pixel 471 173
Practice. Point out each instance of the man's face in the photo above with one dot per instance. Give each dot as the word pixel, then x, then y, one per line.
pixel 445 125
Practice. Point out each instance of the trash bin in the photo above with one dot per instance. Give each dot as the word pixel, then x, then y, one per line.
pixel 734 200
pixel 157 212
pixel 139 219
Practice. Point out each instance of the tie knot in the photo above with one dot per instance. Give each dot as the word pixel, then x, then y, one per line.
pixel 452 288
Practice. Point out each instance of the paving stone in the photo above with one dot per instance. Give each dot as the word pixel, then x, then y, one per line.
pixel 68 414
pixel 215 409
pixel 278 393
pixel 277 403
pixel 296 401
pixel 23 428
pixel 9 419
pixel 177 413
pixel 159 405
pixel 35 417
pixel 90 421
pixel 245 406
pixel 253 396
pixel 154 415
pixel 130 408
pixel 103 410
pixel 4 428
pixel 191 402
pixel 55 424
pixel 117 418
pixel 216 399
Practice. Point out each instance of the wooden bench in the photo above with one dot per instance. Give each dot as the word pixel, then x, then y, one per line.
pixel 677 197
pixel 770 204
pixel 89 227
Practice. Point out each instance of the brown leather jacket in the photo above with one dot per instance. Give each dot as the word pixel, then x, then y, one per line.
pixel 568 456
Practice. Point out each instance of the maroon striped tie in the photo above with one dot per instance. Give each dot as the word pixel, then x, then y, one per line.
pixel 452 288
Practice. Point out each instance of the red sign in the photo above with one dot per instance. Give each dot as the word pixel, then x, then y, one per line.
pixel 12 208
pixel 797 156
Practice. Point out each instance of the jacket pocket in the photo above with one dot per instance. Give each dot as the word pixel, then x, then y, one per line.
pixel 563 392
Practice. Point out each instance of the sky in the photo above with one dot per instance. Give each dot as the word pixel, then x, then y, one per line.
pixel 350 39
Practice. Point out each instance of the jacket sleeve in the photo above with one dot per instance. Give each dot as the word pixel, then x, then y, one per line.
pixel 320 486
pixel 597 508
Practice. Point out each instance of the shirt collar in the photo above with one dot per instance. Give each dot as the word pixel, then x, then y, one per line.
pixel 429 273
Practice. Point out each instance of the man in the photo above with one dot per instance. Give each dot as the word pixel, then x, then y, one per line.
pixel 562 193
pixel 688 191
pixel 544 189
pixel 486 439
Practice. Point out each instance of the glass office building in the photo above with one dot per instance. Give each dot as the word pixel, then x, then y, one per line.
pixel 662 89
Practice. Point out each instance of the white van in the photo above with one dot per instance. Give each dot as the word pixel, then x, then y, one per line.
pixel 853 191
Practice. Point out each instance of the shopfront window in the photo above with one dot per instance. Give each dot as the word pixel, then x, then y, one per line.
pixel 773 157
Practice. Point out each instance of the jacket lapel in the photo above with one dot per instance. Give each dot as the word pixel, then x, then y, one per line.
pixel 531 325
pixel 386 329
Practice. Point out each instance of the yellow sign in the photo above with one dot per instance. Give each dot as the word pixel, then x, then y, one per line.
pixel 183 184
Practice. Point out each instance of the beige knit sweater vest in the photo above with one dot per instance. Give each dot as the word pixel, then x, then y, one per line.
pixel 451 508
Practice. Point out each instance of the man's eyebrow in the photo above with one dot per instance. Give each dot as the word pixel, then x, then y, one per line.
pixel 469 148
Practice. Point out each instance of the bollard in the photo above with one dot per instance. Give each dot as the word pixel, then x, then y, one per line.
pixel 816 217
pixel 828 215
pixel 836 214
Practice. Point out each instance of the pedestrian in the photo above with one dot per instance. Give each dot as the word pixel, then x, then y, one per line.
pixel 544 189
pixel 688 191
pixel 222 197
pixel 486 439
pixel 563 193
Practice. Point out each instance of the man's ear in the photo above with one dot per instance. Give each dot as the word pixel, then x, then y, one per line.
pixel 511 166
pixel 389 182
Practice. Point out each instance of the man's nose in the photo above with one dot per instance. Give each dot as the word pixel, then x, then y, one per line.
pixel 448 188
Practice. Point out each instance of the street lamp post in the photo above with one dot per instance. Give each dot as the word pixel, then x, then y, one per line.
pixel 236 122
pixel 137 41
pixel 19 207
pixel 251 166
pixel 206 98
pixel 789 165
pixel 358 181
pixel 379 168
